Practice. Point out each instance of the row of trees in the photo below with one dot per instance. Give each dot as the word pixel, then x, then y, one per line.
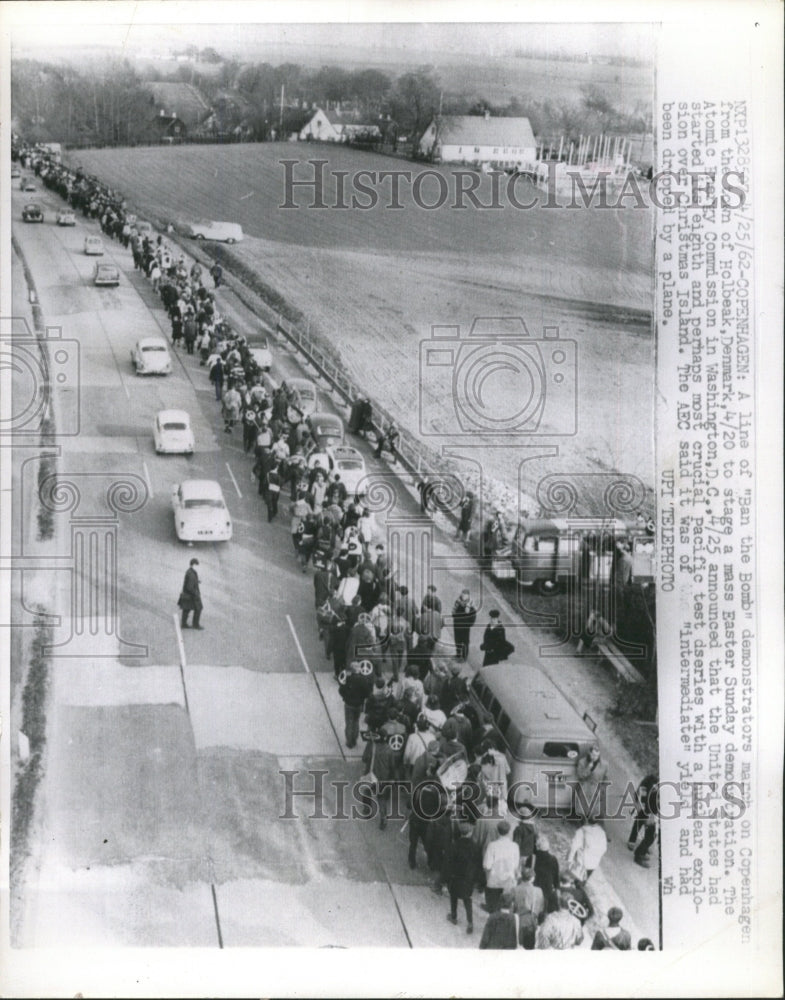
pixel 109 103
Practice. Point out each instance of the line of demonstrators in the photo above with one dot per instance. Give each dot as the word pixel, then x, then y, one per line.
pixel 431 758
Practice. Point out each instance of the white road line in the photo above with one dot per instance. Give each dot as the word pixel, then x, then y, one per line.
pixel 149 480
pixel 299 647
pixel 179 634
pixel 249 195
pixel 231 475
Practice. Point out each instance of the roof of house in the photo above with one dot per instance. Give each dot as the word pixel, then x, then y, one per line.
pixel 182 99
pixel 476 130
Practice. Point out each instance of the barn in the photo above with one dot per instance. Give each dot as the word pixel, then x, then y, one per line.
pixel 477 140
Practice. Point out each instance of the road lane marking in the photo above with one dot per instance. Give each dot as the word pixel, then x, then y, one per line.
pixel 249 195
pixel 149 481
pixel 299 647
pixel 231 476
pixel 181 649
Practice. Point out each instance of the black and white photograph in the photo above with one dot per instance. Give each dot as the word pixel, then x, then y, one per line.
pixel 381 555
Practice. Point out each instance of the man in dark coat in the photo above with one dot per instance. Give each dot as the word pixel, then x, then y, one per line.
pixel 494 641
pixel 460 866
pixel 190 598
pixel 500 931
pixel 464 615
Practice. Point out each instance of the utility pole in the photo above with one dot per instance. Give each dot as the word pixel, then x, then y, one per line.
pixel 280 123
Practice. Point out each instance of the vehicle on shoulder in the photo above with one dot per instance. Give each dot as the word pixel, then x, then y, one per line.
pixel 306 393
pixel 27 184
pixel 106 274
pixel 143 228
pixel 542 735
pixel 349 463
pixel 151 357
pixel 547 553
pixel 262 356
pixel 326 430
pixel 93 246
pixel 172 433
pixel 200 512
pixel 32 212
pixel 65 217
pixel 16 173
pixel 222 232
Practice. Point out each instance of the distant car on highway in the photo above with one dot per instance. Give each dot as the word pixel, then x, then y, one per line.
pixel 223 232
pixel 151 357
pixel 200 512
pixel 32 212
pixel 27 184
pixel 172 433
pixel 65 217
pixel 16 173
pixel 307 393
pixel 106 274
pixel 143 228
pixel 263 356
pixel 326 430
pixel 349 463
pixel 93 246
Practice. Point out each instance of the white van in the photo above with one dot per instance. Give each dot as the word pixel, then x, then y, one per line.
pixel 223 232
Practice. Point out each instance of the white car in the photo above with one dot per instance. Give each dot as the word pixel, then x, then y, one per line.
pixel 172 433
pixel 350 465
pixel 151 357
pixel 93 246
pixel 263 356
pixel 200 512
pixel 306 390
pixel 224 232
pixel 65 217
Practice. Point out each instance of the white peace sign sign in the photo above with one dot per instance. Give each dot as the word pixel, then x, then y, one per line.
pixel 395 742
pixel 342 677
pixel 366 668
pixel 577 909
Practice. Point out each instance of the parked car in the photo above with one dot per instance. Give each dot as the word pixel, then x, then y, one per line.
pixel 349 463
pixel 16 173
pixel 263 356
pixel 306 390
pixel 27 184
pixel 106 274
pixel 65 217
pixel 223 232
pixel 326 430
pixel 32 212
pixel 93 246
pixel 200 512
pixel 151 357
pixel 172 433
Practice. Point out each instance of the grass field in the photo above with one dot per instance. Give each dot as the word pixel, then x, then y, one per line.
pixel 375 281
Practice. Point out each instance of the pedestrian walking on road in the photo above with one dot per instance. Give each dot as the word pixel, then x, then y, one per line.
pixel 190 597
pixel 354 689
pixel 217 272
pixel 615 937
pixel 645 819
pixel 494 641
pixel 501 928
pixel 466 515
pixel 460 873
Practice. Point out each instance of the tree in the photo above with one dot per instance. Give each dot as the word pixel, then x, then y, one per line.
pixel 415 100
pixel 370 87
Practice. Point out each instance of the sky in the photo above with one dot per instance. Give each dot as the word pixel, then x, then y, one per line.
pixel 234 28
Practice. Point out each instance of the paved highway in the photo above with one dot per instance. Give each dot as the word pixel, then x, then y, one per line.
pixel 160 808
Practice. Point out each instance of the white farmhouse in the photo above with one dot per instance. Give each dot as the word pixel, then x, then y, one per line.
pixel 477 140
pixel 335 126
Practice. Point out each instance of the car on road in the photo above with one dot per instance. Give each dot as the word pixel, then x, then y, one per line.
pixel 349 463
pixel 262 356
pixel 172 433
pixel 326 429
pixel 200 512
pixel 93 246
pixel 143 228
pixel 223 232
pixel 32 212
pixel 65 217
pixel 16 173
pixel 151 357
pixel 306 391
pixel 27 184
pixel 106 274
